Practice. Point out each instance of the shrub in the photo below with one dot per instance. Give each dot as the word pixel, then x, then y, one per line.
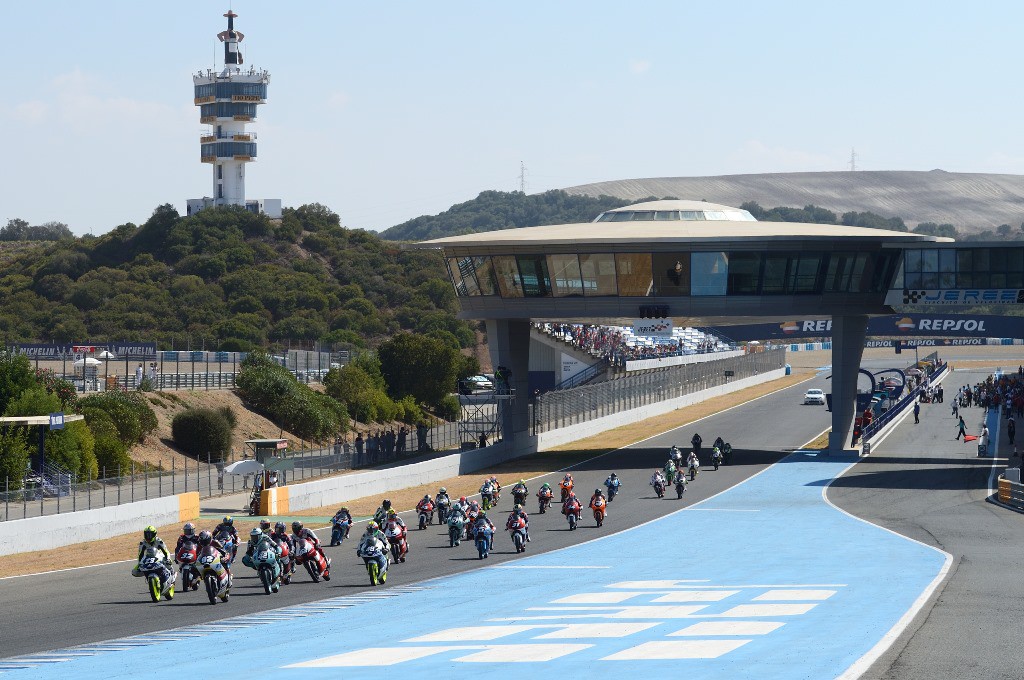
pixel 449 408
pixel 129 411
pixel 229 415
pixel 202 432
pixel 14 455
pixel 110 451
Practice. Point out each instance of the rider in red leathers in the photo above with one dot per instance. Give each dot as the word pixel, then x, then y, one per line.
pixel 397 524
pixel 299 531
pixel 518 512
pixel 572 505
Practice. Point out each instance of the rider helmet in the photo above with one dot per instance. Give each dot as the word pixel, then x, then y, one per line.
pixel 189 529
pixel 280 528
pixel 392 513
pixel 443 490
pixel 372 527
pixel 264 525
pixel 205 537
pixel 255 533
pixel 613 475
pixel 228 520
pixel 386 504
pixel 296 526
pixel 462 499
pixel 149 533
pixel 482 515
pixel 426 497
pixel 545 485
pixel 598 492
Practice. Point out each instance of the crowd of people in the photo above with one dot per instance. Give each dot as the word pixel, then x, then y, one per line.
pixel 613 345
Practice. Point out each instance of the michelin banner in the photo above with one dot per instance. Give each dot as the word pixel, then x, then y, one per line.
pixel 894 325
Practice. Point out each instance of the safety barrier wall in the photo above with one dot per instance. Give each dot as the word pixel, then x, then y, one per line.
pixel 1011 492
pixel 663 362
pixel 335 490
pixel 56 531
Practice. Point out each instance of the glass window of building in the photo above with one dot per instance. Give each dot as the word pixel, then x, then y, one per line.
pixel 456 274
pixel 485 276
pixel 622 216
pixel 507 273
pixel 598 273
pixel 744 273
pixel 709 274
pixel 692 215
pixel 465 265
pixel 804 277
pixel 642 215
pixel 565 275
pixel 533 270
pixel 775 274
pixel 633 271
pixel 663 215
pixel 671 273
pixel 714 215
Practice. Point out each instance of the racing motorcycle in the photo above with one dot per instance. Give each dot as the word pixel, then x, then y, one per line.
pixel 444 506
pixel 544 499
pixel 600 507
pixel 214 575
pixel 228 541
pixel 399 547
pixel 426 516
pixel 716 457
pixel 159 577
pixel 659 488
pixel 517 528
pixel 455 527
pixel 374 556
pixel 726 453
pixel 487 498
pixel 694 469
pixel 573 518
pixel 187 556
pixel 307 554
pixel 483 541
pixel 287 562
pixel 339 530
pixel 518 497
pixel 680 486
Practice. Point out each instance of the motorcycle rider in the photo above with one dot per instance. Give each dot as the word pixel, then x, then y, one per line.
pixel 487 490
pixel 441 500
pixel 518 512
pixel 373 537
pixel 483 523
pixel 658 477
pixel 519 491
pixel 696 441
pixel 188 535
pixel 281 535
pixel 343 515
pixel 462 505
pixel 692 461
pixel 572 505
pixel 298 531
pixel 719 443
pixel 545 491
pixel 381 515
pixel 426 506
pixel 228 524
pixel 394 522
pixel 613 484
pixel 205 539
pixel 151 544
pixel 594 504
pixel 497 488
pixel 566 485
pixel 670 470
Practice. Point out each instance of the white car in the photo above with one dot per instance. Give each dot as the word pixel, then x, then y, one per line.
pixel 475 384
pixel 814 396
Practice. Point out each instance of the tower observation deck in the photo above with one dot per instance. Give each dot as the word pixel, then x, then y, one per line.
pixel 228 100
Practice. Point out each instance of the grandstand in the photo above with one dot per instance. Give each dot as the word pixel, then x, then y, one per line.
pixel 618 344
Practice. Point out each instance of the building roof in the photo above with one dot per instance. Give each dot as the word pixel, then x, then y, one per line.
pixel 633 233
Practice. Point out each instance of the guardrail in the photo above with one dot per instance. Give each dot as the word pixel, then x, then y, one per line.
pixel 1011 492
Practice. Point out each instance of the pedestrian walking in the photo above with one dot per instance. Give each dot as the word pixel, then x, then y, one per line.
pixel 917 412
pixel 1011 430
pixel 962 432
pixel 983 441
pixel 956 407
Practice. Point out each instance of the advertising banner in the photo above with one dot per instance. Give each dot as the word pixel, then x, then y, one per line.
pixel 653 328
pixel 954 296
pixel 571 367
pixel 58 352
pixel 893 325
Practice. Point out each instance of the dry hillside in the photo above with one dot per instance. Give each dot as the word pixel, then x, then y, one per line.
pixel 970 202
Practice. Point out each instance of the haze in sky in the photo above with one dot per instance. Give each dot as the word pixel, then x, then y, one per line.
pixel 386 111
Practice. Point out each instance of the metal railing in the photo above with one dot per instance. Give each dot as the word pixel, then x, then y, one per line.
pixel 115 487
pixel 554 410
pixel 584 376
pixel 884 418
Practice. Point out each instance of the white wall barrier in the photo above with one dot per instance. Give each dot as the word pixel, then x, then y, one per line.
pixel 99 524
pixel 664 362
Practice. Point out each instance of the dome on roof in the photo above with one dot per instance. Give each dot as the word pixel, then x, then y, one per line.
pixel 661 211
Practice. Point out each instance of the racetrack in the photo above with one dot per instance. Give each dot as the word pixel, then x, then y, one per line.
pixel 61 609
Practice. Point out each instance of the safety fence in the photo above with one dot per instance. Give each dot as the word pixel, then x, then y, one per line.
pixel 933 370
pixel 1011 491
pixel 554 410
pixel 69 492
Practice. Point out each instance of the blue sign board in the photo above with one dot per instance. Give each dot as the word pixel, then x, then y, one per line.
pixel 56 421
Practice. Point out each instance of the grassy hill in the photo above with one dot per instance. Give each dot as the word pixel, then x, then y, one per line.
pixel 226 278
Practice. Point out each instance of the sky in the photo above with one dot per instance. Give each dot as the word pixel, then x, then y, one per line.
pixel 387 111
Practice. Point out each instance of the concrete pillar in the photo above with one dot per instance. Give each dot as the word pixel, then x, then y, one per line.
pixel 509 344
pixel 847 349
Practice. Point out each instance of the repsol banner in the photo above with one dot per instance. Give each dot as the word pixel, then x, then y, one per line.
pixel 894 325
pixel 929 342
pixel 58 352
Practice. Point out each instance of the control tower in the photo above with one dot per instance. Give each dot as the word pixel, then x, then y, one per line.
pixel 227 102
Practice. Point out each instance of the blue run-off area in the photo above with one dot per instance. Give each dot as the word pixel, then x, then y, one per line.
pixel 765 580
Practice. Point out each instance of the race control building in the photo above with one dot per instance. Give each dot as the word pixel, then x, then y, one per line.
pixel 708 265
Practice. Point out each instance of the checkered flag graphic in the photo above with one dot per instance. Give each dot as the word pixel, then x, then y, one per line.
pixel 911 297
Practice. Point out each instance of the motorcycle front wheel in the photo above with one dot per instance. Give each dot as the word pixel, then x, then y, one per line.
pixel 518 541
pixel 313 573
pixel 266 578
pixel 154 587
pixel 211 588
pixel 374 570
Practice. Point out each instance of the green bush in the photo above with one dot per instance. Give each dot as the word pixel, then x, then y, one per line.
pixel 14 455
pixel 129 411
pixel 110 451
pixel 202 432
pixel 449 408
pixel 229 415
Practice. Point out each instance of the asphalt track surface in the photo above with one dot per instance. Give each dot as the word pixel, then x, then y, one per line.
pixel 923 484
pixel 73 607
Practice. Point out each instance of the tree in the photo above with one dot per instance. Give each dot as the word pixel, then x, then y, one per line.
pixel 417 365
pixel 16 376
pixel 14 455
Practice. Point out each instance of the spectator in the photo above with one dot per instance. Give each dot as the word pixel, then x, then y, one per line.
pixel 403 433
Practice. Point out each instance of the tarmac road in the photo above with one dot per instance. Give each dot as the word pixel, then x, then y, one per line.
pixel 925 485
pixel 62 609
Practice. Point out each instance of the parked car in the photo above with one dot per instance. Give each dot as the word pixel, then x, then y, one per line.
pixel 814 396
pixel 475 384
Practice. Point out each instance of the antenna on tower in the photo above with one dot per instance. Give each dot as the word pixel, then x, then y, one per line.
pixel 853 160
pixel 522 177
